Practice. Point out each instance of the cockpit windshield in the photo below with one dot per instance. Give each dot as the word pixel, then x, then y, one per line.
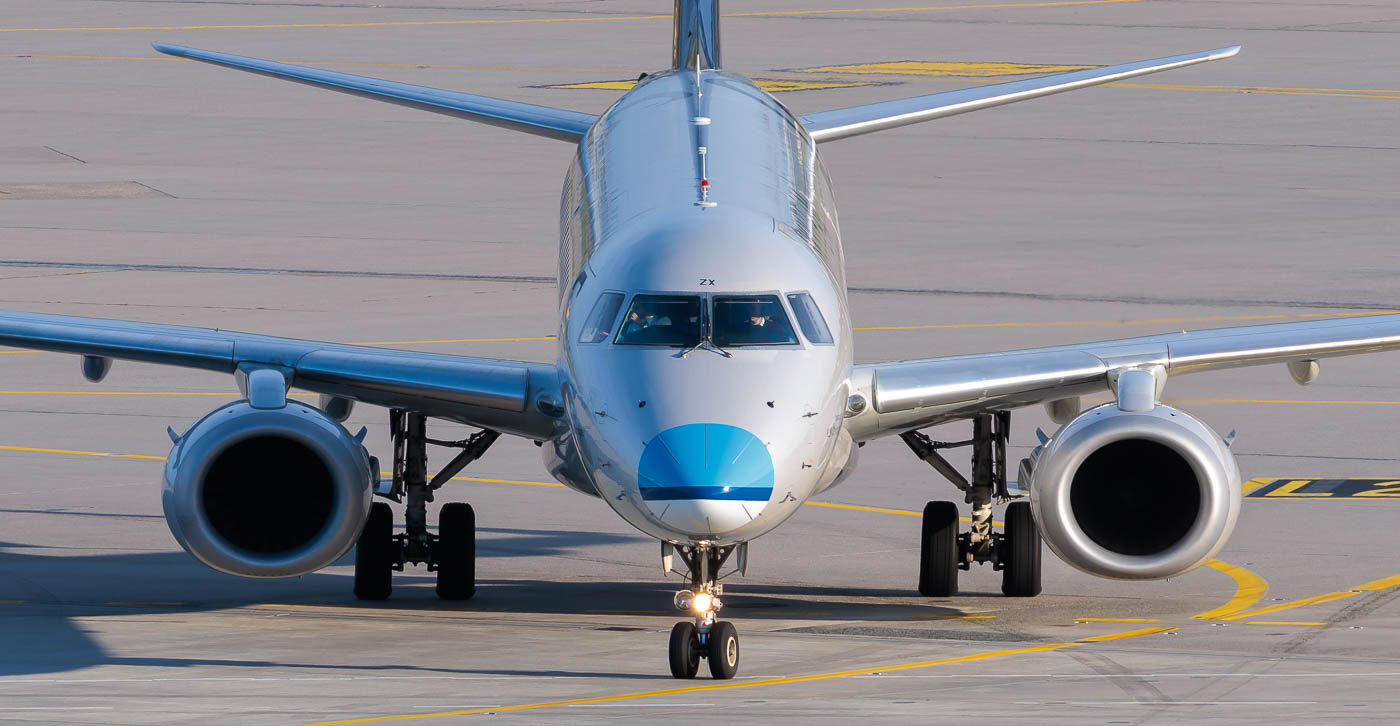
pixel 669 320
pixel 750 320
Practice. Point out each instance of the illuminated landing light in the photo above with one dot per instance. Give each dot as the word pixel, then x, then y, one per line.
pixel 702 604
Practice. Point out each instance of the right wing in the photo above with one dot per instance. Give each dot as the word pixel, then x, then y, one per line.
pixel 554 123
pixel 912 394
pixel 856 120
pixel 499 394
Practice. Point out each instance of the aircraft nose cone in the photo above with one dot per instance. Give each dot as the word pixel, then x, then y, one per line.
pixel 705 479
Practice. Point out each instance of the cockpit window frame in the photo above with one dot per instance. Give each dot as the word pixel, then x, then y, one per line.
pixel 777 296
pixel 590 324
pixel 616 338
pixel 820 319
pixel 706 319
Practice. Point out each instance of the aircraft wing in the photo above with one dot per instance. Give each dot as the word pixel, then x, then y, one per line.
pixel 904 395
pixel 498 394
pixel 856 120
pixel 554 123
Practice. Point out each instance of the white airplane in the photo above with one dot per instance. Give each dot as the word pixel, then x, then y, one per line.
pixel 704 387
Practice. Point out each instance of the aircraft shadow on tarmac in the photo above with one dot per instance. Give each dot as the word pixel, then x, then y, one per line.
pixel 44 590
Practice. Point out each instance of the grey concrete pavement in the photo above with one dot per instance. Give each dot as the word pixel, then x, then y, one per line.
pixel 1235 192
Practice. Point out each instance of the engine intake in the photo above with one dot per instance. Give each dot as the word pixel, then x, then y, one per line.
pixel 267 492
pixel 1134 495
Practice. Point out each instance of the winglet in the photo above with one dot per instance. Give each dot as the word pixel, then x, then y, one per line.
pixel 553 123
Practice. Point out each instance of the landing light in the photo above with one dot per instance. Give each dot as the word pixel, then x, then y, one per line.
pixel 702 602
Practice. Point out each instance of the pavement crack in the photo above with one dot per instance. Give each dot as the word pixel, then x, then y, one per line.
pixel 61 153
pixel 147 186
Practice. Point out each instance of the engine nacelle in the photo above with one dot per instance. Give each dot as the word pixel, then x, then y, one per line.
pixel 1134 495
pixel 267 492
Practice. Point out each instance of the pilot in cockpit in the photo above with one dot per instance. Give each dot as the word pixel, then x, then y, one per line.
pixel 644 316
pixel 754 316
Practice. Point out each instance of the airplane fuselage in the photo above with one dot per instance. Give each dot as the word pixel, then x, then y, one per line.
pixel 698 204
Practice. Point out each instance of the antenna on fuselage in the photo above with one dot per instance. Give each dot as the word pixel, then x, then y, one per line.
pixel 696 43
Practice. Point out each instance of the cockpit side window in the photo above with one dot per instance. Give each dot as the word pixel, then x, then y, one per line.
pixel 600 321
pixel 809 318
pixel 669 320
pixel 750 320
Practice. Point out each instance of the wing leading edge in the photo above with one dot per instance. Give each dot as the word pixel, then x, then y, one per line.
pixel 857 120
pixel 554 123
pixel 911 394
pixel 498 394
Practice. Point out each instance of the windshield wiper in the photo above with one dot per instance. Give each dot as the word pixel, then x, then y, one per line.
pixel 691 349
pixel 707 345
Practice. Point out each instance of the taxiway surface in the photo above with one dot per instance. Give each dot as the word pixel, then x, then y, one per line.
pixel 137 186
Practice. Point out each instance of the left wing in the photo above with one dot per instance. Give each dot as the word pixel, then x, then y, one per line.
pixel 554 123
pixel 905 395
pixel 498 394
pixel 856 120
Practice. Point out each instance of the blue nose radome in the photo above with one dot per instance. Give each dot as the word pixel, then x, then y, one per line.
pixel 705 478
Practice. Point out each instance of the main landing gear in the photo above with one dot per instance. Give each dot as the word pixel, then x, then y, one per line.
pixel 1015 551
pixel 714 640
pixel 452 551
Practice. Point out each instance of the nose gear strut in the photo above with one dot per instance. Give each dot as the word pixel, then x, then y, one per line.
pixel 707 637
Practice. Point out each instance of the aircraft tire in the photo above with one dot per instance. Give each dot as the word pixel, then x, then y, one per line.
pixel 723 647
pixel 375 556
pixel 685 650
pixel 1020 569
pixel 454 552
pixel 938 550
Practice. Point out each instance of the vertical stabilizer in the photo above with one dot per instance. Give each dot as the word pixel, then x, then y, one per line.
pixel 696 42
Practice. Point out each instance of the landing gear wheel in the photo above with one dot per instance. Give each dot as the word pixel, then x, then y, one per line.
pixel 723 647
pixel 376 555
pixel 938 550
pixel 1020 569
pixel 685 650
pixel 454 552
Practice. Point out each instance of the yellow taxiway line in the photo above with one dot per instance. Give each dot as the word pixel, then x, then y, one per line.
pixel 461 340
pixel 1374 585
pixel 367 63
pixel 1249 588
pixel 942 71
pixel 881 510
pixel 1122 323
pixel 575 19
pixel 961 72
pixel 73 452
pixel 732 685
pixel 1266 90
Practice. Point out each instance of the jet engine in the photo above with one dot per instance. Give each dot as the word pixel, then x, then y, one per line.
pixel 1138 495
pixel 268 492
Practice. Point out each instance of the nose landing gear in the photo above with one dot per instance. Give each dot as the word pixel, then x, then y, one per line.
pixel 716 641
